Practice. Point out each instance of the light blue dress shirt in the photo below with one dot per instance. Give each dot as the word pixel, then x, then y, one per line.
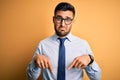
pixel 75 47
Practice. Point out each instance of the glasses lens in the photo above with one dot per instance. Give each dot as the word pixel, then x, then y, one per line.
pixel 59 20
pixel 68 21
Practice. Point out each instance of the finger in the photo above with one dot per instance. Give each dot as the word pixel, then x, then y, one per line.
pixel 50 66
pixel 77 64
pixel 42 64
pixel 37 62
pixel 46 64
pixel 82 66
pixel 72 64
pixel 39 65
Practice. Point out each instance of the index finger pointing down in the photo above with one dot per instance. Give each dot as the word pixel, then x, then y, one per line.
pixel 72 65
pixel 50 66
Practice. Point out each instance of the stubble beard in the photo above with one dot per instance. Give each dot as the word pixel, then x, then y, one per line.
pixel 62 33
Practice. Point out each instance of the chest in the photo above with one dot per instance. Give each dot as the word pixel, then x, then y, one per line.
pixel 72 50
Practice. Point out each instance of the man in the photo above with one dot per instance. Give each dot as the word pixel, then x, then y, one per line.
pixel 63 56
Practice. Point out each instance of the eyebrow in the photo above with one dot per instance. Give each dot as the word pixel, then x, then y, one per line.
pixel 64 18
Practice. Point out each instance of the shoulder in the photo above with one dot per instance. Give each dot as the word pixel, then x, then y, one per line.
pixel 80 40
pixel 77 38
pixel 49 39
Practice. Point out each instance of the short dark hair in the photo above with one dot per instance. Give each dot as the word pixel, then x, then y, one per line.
pixel 64 6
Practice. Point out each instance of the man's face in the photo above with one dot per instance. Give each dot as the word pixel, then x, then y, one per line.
pixel 63 22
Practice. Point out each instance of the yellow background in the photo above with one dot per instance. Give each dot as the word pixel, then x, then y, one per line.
pixel 23 23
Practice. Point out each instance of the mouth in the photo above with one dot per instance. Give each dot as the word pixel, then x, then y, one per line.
pixel 61 29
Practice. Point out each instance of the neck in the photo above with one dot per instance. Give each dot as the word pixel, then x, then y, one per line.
pixel 62 36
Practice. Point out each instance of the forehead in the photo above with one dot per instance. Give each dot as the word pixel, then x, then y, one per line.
pixel 64 14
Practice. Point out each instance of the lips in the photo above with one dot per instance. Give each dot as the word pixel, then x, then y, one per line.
pixel 61 29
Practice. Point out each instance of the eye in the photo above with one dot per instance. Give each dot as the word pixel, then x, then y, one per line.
pixel 68 19
pixel 58 18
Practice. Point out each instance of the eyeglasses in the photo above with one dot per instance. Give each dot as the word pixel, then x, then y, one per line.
pixel 59 19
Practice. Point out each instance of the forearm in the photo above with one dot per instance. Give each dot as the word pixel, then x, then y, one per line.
pixel 93 71
pixel 33 71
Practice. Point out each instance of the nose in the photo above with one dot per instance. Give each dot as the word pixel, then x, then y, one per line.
pixel 63 23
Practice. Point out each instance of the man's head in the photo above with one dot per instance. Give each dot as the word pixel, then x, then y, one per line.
pixel 63 18
pixel 64 6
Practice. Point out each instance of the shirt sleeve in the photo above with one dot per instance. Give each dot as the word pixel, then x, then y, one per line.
pixel 93 71
pixel 33 71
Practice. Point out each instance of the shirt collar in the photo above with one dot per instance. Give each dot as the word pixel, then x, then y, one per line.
pixel 69 37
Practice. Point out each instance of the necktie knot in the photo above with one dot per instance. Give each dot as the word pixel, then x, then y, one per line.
pixel 62 40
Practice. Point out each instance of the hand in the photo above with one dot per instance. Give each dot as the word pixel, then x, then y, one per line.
pixel 80 62
pixel 43 62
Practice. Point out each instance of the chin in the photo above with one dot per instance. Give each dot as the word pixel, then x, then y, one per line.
pixel 61 34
